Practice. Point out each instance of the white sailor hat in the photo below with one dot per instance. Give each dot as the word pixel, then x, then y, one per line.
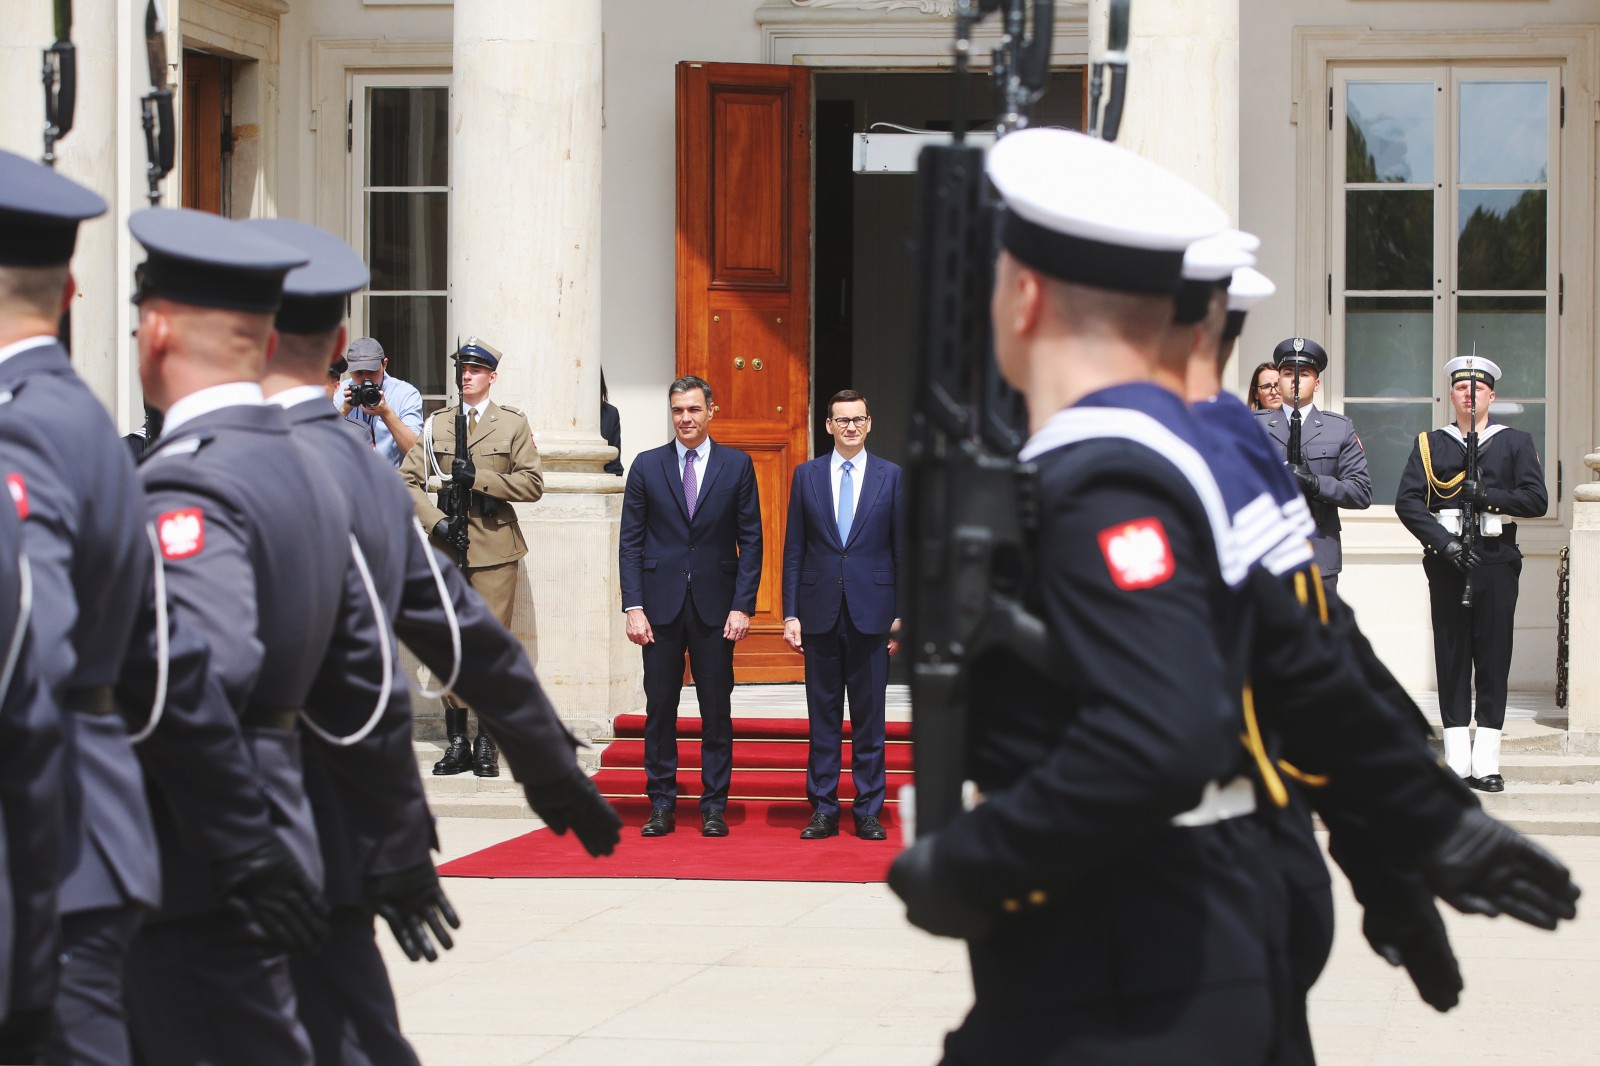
pixel 1472 368
pixel 1248 288
pixel 1208 265
pixel 1084 211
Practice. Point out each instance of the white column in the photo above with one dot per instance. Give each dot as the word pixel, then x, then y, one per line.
pixel 1183 90
pixel 1583 618
pixel 525 276
pixel 88 155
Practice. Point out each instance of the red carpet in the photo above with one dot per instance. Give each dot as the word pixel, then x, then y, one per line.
pixel 766 810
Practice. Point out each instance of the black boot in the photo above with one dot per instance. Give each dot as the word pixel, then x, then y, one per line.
pixel 458 756
pixel 485 759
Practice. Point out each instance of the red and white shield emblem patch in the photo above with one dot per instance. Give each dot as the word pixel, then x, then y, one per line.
pixel 1137 553
pixel 19 493
pixel 182 533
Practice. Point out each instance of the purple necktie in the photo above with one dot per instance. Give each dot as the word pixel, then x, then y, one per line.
pixel 690 488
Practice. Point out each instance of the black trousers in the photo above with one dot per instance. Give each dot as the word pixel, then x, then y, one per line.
pixel 205 991
pixel 90 1022
pixel 711 662
pixel 345 1000
pixel 840 661
pixel 1473 643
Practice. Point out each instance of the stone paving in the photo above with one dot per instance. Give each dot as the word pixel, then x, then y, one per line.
pixel 705 972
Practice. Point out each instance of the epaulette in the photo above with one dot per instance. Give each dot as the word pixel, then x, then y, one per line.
pixel 189 445
pixel 1335 414
pixel 508 409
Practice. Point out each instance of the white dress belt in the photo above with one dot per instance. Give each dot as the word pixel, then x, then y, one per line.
pixel 1219 802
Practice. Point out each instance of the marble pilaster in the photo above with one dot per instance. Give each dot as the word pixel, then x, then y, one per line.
pixel 525 276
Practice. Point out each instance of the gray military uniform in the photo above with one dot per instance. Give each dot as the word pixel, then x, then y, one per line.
pixel 375 799
pixel 254 558
pixel 91 564
pixel 1331 448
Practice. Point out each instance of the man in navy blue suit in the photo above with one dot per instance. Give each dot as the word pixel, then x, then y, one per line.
pixel 690 563
pixel 840 564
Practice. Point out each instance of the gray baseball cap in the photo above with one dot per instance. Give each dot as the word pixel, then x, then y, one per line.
pixel 364 353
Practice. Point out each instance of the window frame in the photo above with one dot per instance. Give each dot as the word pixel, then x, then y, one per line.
pixel 1447 79
pixel 359 82
pixel 1575 390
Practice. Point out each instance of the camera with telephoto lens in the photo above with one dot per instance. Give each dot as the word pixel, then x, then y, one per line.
pixel 365 394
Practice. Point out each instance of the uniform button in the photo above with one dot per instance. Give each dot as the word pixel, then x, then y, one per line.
pixel 691 547
pixel 1010 906
pixel 1037 897
pixel 846 555
pixel 841 581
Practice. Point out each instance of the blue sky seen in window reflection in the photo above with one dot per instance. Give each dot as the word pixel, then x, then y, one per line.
pixel 1396 118
pixel 1505 131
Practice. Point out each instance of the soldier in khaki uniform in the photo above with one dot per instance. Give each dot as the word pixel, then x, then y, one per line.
pixel 504 467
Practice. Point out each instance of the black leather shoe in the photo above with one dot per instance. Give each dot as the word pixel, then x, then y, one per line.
pixel 662 821
pixel 1490 783
pixel 869 828
pixel 457 757
pixel 485 759
pixel 712 824
pixel 821 825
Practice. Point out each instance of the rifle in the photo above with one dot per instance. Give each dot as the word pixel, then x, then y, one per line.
pixel 972 506
pixel 456 499
pixel 1295 456
pixel 155 107
pixel 1469 506
pixel 60 73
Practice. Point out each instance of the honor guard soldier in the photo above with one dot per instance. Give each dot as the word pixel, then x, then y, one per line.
pixel 373 819
pixel 503 469
pixel 1472 642
pixel 1398 819
pixel 1108 883
pixel 33 807
pixel 255 558
pixel 1332 466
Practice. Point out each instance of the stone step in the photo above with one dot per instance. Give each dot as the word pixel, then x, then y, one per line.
pixel 1537 801
pixel 486 805
pixel 1585 825
pixel 1541 769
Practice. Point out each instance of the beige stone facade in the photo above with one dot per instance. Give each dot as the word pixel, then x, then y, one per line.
pixel 561 232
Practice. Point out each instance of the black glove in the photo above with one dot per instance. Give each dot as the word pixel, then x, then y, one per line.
pixel 453 532
pixel 23 1035
pixel 1461 557
pixel 1475 492
pixel 1412 935
pixel 464 472
pixel 572 802
pixel 1486 867
pixel 413 903
pixel 1309 483
pixel 268 887
pixel 932 902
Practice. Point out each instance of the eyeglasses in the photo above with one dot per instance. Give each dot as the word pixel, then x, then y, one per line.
pixel 1269 388
pixel 846 423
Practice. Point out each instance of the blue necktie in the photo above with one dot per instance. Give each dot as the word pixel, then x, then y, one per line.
pixel 847 502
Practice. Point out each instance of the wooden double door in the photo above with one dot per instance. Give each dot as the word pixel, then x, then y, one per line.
pixel 743 274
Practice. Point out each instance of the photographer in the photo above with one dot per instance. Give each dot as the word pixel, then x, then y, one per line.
pixel 387 409
pixel 503 469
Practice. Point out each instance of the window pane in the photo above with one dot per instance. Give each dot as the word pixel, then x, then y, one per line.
pixel 1389 131
pixel 408 139
pixel 1502 239
pixel 1388 346
pixel 1388 239
pixel 407 239
pixel 1528 417
pixel 1387 432
pixel 1505 131
pixel 1511 331
pixel 411 330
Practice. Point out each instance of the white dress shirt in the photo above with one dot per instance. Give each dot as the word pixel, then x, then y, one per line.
pixel 215 398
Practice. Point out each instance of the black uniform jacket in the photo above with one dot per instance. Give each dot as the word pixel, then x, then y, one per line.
pixel 1508 465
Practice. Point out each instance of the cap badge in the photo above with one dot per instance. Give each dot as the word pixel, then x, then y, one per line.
pixel 1299 344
